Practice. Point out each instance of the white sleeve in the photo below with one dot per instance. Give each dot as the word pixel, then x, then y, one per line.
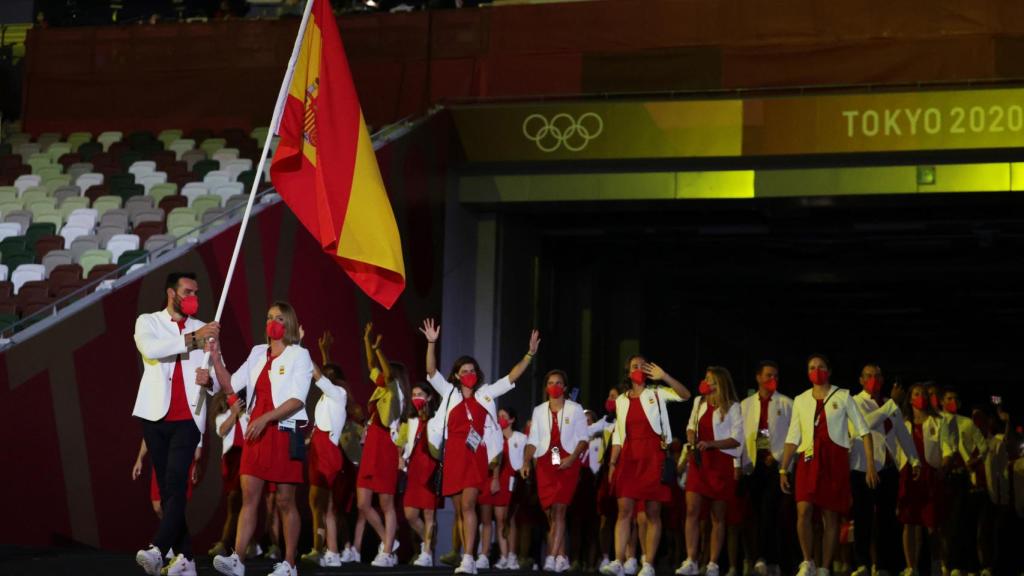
pixel 153 346
pixel 442 386
pixel 531 439
pixel 499 388
pixel 794 434
pixel 692 423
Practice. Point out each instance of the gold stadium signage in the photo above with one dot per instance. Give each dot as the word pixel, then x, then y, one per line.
pixel 821 124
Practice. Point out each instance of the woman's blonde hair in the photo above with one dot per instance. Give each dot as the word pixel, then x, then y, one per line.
pixel 726 390
pixel 291 322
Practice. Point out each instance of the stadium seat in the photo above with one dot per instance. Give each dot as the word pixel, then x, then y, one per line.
pixel 11 206
pixel 26 149
pixel 217 177
pixel 203 203
pixel 237 167
pixel 212 145
pixel 226 191
pixel 16 258
pixel 105 233
pixel 180 217
pixel 148 181
pixel 47 139
pixel 73 233
pixel 70 205
pixel 201 168
pixel 225 155
pixel 83 244
pixel 89 179
pixel 108 138
pixel 55 258
pixel 33 194
pixel 4 273
pixel 52 183
pixel 93 258
pixel 118 217
pixel 8 193
pixel 147 215
pixel 36 231
pixel 50 215
pixel 132 257
pixel 147 230
pixel 122 179
pixel 83 217
pixel 212 214
pixel 76 170
pixel 22 217
pixel 236 202
pixel 47 244
pixel 142 167
pixel 63 275
pixel 76 139
pixel 27 273
pixel 169 135
pixel 181 146
pixel 171 202
pixel 65 192
pixel 104 204
pixel 136 203
pixel 27 181
pixel 127 191
pixel 89 150
pixel 58 149
pixel 191 158
pixel 9 229
pixel 158 242
pixel 121 243
pixel 47 171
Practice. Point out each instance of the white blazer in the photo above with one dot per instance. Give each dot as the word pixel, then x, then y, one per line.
pixel 572 427
pixel 330 413
pixel 228 440
pixel 160 344
pixel 932 431
pixel 600 435
pixel 840 412
pixel 651 398
pixel 290 377
pixel 897 438
pixel 413 426
pixel 451 397
pixel 516 447
pixel 966 439
pixel 780 411
pixel 724 427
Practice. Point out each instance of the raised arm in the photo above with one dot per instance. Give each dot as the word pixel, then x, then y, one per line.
pixel 655 372
pixel 371 358
pixel 520 368
pixel 324 342
pixel 431 332
pixel 219 369
pixel 382 361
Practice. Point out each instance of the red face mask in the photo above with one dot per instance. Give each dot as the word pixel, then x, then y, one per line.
pixel 704 389
pixel 771 385
pixel 189 305
pixel 502 422
pixel 232 399
pixel 468 379
pixel 818 376
pixel 555 391
pixel 918 402
pixel 935 401
pixel 419 403
pixel 275 330
pixel 609 405
pixel 873 385
pixel 950 406
pixel 637 376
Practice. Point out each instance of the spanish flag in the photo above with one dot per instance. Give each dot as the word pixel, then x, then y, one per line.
pixel 325 168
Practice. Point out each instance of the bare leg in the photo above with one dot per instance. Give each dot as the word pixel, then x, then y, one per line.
pixel 429 527
pixel 331 524
pixel 623 527
pixel 412 516
pixel 653 532
pixel 470 522
pixel 227 536
pixel 501 519
pixel 486 517
pixel 252 489
pixel 805 529
pixel 830 538
pixel 292 522
pixel 387 505
pixel 364 499
pixel 694 502
pixel 717 529
pixel 318 498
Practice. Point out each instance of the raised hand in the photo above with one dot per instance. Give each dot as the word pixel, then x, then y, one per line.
pixel 432 332
pixel 368 331
pixel 534 341
pixel 325 341
pixel 653 371
pixel 378 341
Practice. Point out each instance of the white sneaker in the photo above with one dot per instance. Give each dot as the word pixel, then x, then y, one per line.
pixel 513 562
pixel 806 569
pixel 150 559
pixel 424 560
pixel 468 565
pixel 647 570
pixel 604 562
pixel 383 560
pixel 711 569
pixel 760 568
pixel 861 571
pixel 354 557
pixel 482 562
pixel 170 554
pixel 688 568
pixel 181 566
pixel 229 565
pixel 394 546
pixel 283 568
pixel 502 563
pixel 549 564
pixel 330 560
pixel 613 568
pixel 562 564
pixel 631 567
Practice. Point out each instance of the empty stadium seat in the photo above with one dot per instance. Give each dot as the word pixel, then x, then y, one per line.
pixel 146 230
pixel 108 138
pixel 225 155
pixel 22 217
pixel 136 203
pixel 171 202
pixel 76 139
pixel 152 179
pixel 4 272
pixel 142 167
pixel 158 242
pixel 161 191
pixel 236 202
pixel 26 273
pixel 89 179
pixel 101 270
pixel 72 233
pixel 211 215
pixel 192 158
pixel 147 215
pixel 217 177
pixel 56 258
pixel 26 181
pixel 79 206
pixel 132 257
pixel 58 149
pixel 65 192
pixel 83 217
pixel 63 275
pixel 181 217
pixel 8 229
pixel 203 203
pixel 104 204
pixel 181 146
pixel 212 145
pixel 89 150
pixel 105 233
pixel 83 244
pixel 226 191
pixel 120 244
pixel 92 258
pixel 118 217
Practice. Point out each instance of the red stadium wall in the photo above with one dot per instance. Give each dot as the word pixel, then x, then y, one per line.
pixel 66 395
pixel 227 73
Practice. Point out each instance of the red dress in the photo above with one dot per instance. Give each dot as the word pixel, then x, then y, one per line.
pixel 419 491
pixel 504 495
pixel 825 480
pixel 269 456
pixel 231 462
pixel 714 478
pixel 916 504
pixel 464 468
pixel 325 459
pixel 638 473
pixel 378 469
pixel 556 486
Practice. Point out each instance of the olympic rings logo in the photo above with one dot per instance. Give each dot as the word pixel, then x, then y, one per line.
pixel 562 130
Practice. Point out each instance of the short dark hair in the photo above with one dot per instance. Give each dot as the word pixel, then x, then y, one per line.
pixel 333 372
pixel 766 364
pixel 821 357
pixel 174 277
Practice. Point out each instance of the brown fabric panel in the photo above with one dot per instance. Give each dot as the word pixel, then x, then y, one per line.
pixel 868 62
pixel 697 68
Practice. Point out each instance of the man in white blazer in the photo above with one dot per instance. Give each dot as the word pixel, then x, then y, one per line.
pixel 171 343
pixel 766 416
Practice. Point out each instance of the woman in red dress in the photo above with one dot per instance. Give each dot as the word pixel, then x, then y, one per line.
pixel 378 471
pixel 639 443
pixel 229 427
pixel 419 497
pixel 714 434
pixel 494 502
pixel 823 419
pixel 276 376
pixel 470 439
pixel 918 493
pixel 557 439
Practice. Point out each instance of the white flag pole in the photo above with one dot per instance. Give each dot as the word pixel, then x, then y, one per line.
pixel 275 122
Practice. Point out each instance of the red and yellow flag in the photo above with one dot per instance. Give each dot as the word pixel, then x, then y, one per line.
pixel 325 168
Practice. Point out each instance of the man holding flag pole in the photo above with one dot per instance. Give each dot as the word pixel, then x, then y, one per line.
pixel 326 171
